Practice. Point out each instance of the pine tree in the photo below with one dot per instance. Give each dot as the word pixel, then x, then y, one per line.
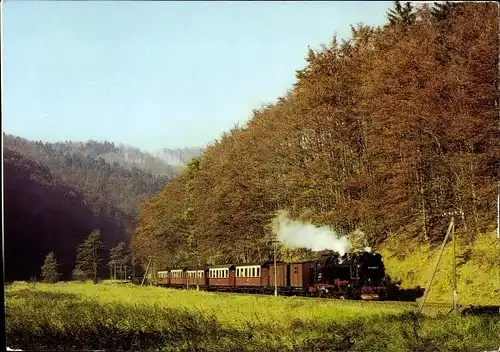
pixel 50 268
pixel 119 256
pixel 89 257
pixel 404 15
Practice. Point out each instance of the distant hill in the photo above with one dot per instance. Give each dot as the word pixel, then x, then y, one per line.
pixel 44 214
pixel 56 193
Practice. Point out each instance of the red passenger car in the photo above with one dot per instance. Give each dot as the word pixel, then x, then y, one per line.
pixel 248 275
pixel 177 277
pixel 221 275
pixel 163 278
pixel 195 277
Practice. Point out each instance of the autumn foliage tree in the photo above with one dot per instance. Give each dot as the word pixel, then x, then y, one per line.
pixel 383 133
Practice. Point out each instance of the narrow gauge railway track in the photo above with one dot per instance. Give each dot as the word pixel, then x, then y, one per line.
pixel 270 293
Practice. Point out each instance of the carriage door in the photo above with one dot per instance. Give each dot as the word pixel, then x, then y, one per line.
pixel 288 275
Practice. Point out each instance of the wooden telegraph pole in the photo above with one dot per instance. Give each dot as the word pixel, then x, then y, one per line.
pixel 275 271
pixel 451 230
pixel 147 268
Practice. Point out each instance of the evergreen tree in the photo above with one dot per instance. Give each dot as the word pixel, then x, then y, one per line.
pixel 401 14
pixel 442 11
pixel 89 257
pixel 119 257
pixel 50 268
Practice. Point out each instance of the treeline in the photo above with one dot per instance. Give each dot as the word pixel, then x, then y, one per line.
pixel 383 133
pixel 127 157
pixel 87 169
pixel 55 196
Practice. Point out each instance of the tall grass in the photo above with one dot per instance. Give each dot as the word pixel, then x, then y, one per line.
pixel 125 317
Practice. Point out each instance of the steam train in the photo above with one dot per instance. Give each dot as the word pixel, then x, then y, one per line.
pixel 351 276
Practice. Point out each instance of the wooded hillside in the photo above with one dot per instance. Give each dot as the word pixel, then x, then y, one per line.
pixel 382 133
pixel 56 194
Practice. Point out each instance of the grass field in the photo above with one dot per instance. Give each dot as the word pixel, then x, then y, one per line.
pixel 126 317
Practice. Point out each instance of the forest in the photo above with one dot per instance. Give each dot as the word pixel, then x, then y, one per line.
pixel 57 193
pixel 382 135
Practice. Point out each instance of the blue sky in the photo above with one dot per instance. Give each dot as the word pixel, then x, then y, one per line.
pixel 157 74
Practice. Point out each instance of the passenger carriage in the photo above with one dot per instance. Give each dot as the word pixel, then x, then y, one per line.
pixel 248 277
pixel 195 276
pixel 178 277
pixel 163 278
pixel 221 276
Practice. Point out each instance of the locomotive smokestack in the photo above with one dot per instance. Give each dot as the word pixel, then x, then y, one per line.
pixel 297 234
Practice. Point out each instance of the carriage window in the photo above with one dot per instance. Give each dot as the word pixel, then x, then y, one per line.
pixel 258 272
pixel 253 272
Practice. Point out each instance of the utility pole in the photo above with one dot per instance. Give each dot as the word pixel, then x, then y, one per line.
pixel 147 268
pixel 433 273
pixel 275 271
pixel 498 223
pixel 455 291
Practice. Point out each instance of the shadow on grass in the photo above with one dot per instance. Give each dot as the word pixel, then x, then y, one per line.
pixel 395 292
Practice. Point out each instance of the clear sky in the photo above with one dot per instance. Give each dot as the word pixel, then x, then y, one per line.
pixel 157 74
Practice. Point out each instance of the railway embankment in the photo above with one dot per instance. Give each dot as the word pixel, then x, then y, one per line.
pixel 478 268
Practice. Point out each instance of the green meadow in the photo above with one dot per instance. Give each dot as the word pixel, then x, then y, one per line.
pixel 112 316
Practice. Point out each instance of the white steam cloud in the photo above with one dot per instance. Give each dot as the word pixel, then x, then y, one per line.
pixel 297 234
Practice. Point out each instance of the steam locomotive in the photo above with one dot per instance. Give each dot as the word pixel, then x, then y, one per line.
pixel 350 276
